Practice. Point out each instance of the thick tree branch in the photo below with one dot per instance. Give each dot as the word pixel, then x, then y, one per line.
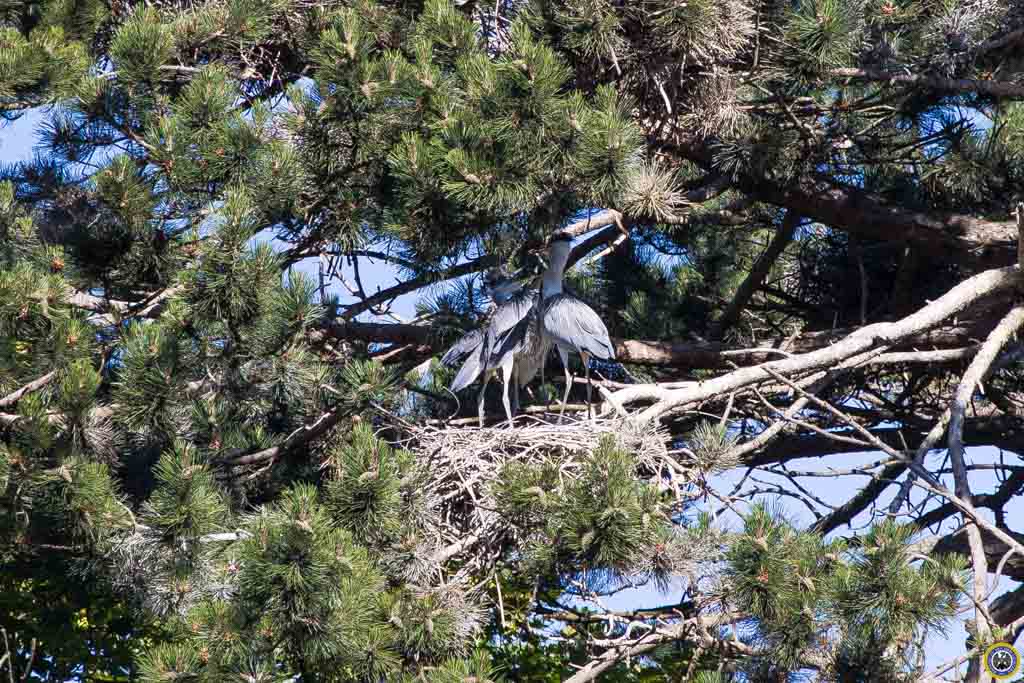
pixel 964 238
pixel 755 278
pixel 958 299
pixel 955 85
pixel 954 344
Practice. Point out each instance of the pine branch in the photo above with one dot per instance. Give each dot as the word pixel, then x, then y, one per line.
pixel 927 481
pixel 755 278
pixel 300 436
pixel 35 385
pixel 998 89
pixel 987 284
pixel 977 372
pixel 966 239
pixel 703 355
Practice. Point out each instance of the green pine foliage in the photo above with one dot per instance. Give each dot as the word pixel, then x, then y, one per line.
pixel 603 522
pixel 799 588
pixel 222 456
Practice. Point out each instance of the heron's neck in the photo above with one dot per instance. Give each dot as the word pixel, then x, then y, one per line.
pixel 558 256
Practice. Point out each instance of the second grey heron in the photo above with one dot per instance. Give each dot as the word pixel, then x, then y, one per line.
pixel 501 289
pixel 511 311
pixel 567 322
pixel 520 353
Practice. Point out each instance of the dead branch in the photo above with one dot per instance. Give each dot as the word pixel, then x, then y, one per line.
pixel 988 283
pixel 977 372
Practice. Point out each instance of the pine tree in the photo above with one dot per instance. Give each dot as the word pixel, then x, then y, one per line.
pixel 796 220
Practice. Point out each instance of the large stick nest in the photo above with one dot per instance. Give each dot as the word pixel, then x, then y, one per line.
pixel 460 464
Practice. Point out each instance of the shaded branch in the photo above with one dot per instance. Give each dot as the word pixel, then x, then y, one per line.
pixel 755 278
pixel 955 85
pixel 15 396
pixel 963 238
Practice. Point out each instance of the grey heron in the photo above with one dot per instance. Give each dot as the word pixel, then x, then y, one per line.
pixel 567 322
pixel 501 290
pixel 519 354
pixel 515 307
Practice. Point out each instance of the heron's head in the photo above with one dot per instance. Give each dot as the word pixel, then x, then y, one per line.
pixel 500 285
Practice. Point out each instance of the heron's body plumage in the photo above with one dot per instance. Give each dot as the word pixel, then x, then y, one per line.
pixel 505 317
pixel 469 343
pixel 572 325
pixel 524 345
pixel 568 323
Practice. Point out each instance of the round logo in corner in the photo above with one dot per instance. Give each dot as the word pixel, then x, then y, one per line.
pixel 1001 661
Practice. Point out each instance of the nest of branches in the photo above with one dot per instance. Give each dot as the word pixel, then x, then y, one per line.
pixel 459 465
pixel 492 447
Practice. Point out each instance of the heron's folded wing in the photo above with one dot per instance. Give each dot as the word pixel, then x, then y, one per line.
pixel 470 370
pixel 465 345
pixel 571 322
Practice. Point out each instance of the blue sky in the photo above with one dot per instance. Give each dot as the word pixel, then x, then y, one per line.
pixel 17 140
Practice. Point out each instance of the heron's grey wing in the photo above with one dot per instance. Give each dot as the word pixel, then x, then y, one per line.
pixel 467 344
pixel 531 353
pixel 569 322
pixel 509 313
pixel 470 369
pixel 509 342
pixel 505 319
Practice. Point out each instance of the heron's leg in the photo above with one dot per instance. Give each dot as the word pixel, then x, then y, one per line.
pixel 506 375
pixel 515 393
pixel 480 398
pixel 547 396
pixel 586 371
pixel 568 380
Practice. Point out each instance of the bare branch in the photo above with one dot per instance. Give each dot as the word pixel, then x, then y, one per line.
pixel 957 85
pixel 985 284
pixel 978 370
pixel 415 283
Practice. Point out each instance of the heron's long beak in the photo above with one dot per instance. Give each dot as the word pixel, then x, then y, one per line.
pixel 529 271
